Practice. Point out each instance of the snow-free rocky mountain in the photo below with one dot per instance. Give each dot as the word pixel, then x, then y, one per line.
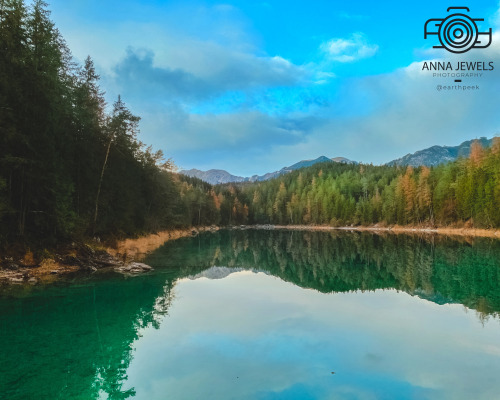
pixel 436 155
pixel 213 176
pixel 216 176
pixel 431 156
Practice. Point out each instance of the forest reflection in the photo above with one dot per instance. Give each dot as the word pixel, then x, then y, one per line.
pixel 75 340
pixel 437 268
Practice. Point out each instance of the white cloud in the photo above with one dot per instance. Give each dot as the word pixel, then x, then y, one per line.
pixel 354 48
pixel 138 76
pixel 372 119
pixel 219 101
pixel 323 77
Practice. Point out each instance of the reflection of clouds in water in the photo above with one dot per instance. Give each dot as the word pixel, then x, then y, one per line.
pixel 253 336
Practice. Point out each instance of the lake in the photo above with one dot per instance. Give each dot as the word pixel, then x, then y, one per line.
pixel 265 315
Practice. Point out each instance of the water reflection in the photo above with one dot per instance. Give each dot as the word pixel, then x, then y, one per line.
pixel 439 269
pixel 73 341
pixel 254 336
pixel 76 340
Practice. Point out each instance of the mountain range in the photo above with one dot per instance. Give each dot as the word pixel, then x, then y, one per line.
pixel 431 156
pixel 436 155
pixel 216 176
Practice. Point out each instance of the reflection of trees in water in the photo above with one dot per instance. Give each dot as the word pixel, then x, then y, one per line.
pixel 75 341
pixel 436 268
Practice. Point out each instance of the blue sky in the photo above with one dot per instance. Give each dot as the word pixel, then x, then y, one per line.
pixel 252 86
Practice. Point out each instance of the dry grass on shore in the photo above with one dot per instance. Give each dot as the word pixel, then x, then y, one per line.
pixel 449 231
pixel 135 249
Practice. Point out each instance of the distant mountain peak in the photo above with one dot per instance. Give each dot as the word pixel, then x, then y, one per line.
pixel 436 155
pixel 213 176
pixel 343 160
pixel 217 176
pixel 430 156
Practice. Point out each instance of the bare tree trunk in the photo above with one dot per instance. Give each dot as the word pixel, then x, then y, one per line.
pixel 100 184
pixel 22 205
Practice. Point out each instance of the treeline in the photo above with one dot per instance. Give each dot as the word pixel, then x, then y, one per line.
pixel 70 166
pixel 466 191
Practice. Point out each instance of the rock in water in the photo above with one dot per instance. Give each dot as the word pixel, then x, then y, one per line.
pixel 133 268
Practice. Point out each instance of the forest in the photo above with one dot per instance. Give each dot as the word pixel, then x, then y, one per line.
pixel 461 193
pixel 73 167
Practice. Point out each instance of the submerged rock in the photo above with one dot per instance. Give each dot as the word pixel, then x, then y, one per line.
pixel 133 268
pixel 16 279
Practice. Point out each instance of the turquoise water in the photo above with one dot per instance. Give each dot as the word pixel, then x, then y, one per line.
pixel 265 315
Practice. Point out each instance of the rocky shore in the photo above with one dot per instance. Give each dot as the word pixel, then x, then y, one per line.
pixel 78 258
pixel 122 257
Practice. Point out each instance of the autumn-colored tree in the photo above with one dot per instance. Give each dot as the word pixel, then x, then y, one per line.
pixel 424 196
pixel 476 153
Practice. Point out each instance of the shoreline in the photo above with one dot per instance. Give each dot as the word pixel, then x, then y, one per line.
pixel 89 257
pixel 132 250
pixel 445 231
pixel 136 249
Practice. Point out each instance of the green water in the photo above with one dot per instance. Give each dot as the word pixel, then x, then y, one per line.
pixel 265 315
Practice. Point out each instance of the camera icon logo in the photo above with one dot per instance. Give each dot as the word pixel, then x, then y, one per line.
pixel 458 33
